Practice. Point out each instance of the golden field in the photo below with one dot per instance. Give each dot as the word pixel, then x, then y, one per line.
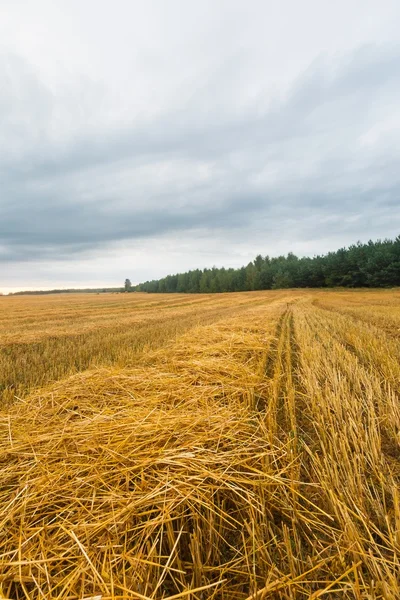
pixel 44 338
pixel 234 446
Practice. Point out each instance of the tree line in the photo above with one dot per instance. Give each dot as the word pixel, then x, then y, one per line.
pixel 66 291
pixel 374 264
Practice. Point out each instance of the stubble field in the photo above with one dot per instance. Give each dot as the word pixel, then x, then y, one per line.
pixel 233 446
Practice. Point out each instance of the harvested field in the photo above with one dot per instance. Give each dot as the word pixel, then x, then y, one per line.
pixel 44 338
pixel 237 446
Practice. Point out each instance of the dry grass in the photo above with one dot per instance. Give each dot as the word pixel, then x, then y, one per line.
pixel 45 338
pixel 255 457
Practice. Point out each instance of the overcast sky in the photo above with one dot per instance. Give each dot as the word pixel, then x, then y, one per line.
pixel 141 138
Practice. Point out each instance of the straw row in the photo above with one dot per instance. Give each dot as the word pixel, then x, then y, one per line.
pixel 144 482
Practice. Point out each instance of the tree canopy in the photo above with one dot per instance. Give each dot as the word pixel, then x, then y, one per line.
pixel 374 264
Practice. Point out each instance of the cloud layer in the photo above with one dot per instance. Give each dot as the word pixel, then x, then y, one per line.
pixel 304 163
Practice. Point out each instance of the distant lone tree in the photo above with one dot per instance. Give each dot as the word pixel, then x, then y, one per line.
pixel 128 285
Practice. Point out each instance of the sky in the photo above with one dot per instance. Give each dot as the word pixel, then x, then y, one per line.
pixel 142 138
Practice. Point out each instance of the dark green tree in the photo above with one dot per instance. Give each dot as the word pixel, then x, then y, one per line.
pixel 374 264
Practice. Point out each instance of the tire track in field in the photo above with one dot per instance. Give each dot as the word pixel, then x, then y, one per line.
pixel 287 418
pixel 284 403
pixel 303 419
pixel 272 401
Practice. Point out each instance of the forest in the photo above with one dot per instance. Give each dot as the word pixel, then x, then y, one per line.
pixel 373 264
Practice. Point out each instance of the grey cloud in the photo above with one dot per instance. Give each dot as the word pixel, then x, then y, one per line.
pixel 187 130
pixel 64 194
pixel 60 226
